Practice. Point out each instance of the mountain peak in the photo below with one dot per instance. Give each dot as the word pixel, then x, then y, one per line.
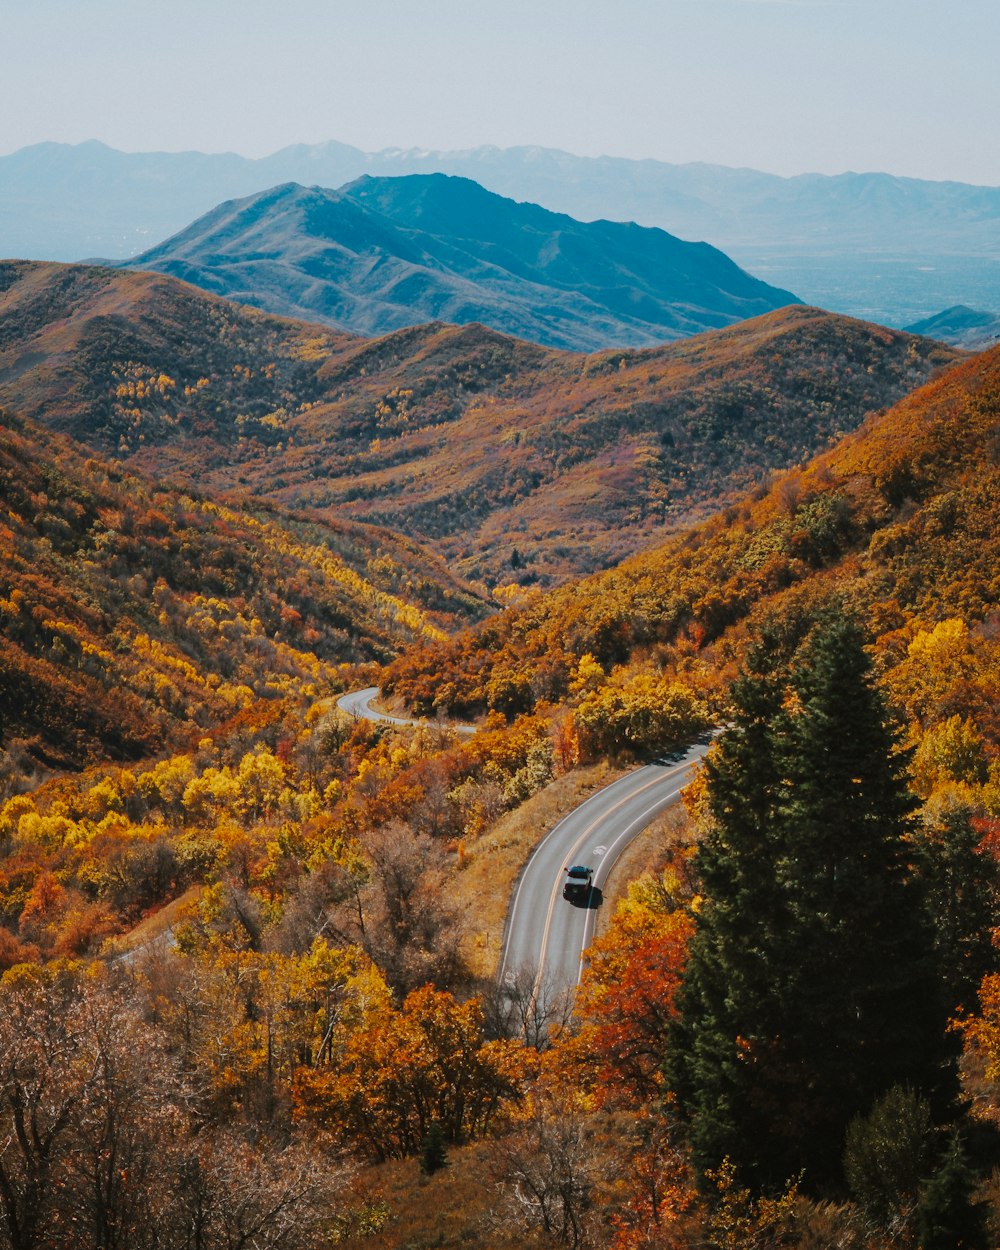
pixel 381 253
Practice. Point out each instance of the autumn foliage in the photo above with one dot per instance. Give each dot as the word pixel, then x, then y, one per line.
pixel 174 769
pixel 522 465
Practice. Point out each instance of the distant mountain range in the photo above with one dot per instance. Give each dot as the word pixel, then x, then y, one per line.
pixel 512 461
pixel 872 245
pixel 384 253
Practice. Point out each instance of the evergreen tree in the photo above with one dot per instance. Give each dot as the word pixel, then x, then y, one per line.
pixel 727 980
pixel 809 990
pixel 963 888
pixel 947 1217
pixel 887 1155
pixel 433 1151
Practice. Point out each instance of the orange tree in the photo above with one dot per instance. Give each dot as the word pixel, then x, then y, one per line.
pixel 626 1002
pixel 428 1064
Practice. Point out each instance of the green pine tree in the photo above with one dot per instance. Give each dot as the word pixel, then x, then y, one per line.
pixel 867 1010
pixel 433 1150
pixel 887 1155
pixel 963 889
pixel 727 980
pixel 809 990
pixel 948 1218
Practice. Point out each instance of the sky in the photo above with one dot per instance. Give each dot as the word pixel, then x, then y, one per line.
pixel 908 87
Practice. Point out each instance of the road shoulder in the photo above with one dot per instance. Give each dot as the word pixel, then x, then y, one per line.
pixel 492 863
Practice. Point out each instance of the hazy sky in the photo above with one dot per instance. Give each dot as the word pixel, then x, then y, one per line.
pixel 907 86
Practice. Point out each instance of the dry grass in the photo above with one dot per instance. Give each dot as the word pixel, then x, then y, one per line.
pixel 490 865
pixel 155 925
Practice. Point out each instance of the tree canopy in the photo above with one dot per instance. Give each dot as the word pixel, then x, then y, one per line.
pixel 810 986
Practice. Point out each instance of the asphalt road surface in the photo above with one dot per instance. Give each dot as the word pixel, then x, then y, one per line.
pixel 359 703
pixel 547 935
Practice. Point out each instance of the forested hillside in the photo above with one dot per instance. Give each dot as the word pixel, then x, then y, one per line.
pixel 254 940
pixel 897 520
pixel 521 465
pixel 820 1059
pixel 318 1013
pixel 315 1011
pixel 133 617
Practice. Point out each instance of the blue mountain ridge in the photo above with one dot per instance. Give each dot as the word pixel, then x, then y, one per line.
pixel 380 254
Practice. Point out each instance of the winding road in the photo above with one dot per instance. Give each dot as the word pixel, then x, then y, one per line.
pixel 359 703
pixel 546 935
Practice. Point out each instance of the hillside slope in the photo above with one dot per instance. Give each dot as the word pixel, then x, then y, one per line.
pixel 384 253
pixel 133 618
pixel 898 521
pixel 516 462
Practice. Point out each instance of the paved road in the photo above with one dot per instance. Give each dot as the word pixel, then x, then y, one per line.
pixel 359 703
pixel 547 935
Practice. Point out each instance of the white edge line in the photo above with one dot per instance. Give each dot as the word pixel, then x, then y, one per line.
pixel 512 909
pixel 377 717
pixel 593 798
pixel 574 853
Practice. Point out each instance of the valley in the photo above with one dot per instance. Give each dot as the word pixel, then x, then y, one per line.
pixel 136 617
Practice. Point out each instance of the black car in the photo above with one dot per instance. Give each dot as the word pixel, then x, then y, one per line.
pixel 577 883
